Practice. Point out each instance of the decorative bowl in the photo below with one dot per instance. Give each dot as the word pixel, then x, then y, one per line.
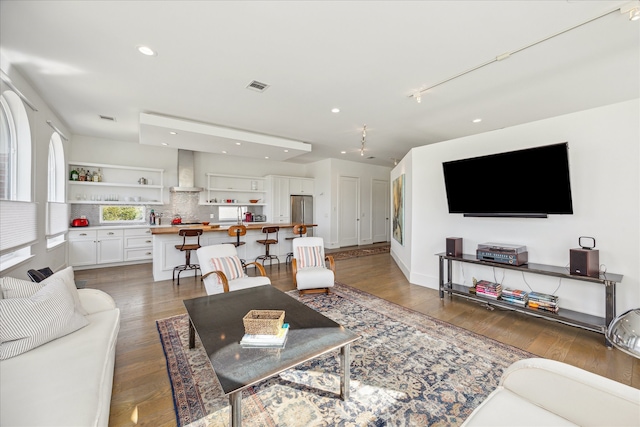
pixel 254 200
pixel 205 222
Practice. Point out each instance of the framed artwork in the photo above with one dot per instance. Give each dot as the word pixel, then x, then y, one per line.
pixel 398 209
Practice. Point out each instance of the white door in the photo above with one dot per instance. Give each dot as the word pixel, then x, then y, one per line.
pixel 380 211
pixel 349 221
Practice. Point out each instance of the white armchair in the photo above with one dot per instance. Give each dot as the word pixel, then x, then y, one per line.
pixel 222 270
pixel 310 272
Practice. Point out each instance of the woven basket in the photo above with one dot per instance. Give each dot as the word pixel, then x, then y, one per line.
pixel 263 322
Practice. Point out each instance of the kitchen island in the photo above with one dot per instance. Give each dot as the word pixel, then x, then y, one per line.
pixel 166 256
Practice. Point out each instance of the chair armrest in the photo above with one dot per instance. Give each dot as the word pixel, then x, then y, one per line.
pixel 221 276
pixel 332 264
pixel 294 269
pixel 258 266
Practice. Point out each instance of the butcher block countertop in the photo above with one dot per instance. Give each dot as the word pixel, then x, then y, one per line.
pixel 174 229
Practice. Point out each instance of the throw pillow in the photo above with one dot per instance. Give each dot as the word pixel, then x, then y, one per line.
pixel 310 256
pixel 231 266
pixel 68 278
pixel 28 323
pixel 18 288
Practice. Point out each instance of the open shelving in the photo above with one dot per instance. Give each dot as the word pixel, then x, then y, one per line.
pixel 120 185
pixel 222 187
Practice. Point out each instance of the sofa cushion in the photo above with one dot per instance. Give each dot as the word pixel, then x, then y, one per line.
pixel 30 322
pixel 18 288
pixel 309 256
pixel 231 266
pixel 66 382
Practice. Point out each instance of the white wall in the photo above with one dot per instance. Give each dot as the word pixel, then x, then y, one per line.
pixel 41 134
pixel 604 159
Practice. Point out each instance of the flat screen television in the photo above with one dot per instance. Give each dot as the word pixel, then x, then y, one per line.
pixel 532 183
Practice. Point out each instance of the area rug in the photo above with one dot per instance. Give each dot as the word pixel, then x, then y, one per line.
pixel 408 369
pixel 354 253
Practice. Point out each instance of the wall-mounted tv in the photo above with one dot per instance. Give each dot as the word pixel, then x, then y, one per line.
pixel 532 183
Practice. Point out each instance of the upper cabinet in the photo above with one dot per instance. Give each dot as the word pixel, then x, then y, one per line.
pixel 97 183
pixel 235 190
pixel 301 186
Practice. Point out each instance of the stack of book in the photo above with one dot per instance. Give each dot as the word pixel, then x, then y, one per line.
pixel 515 296
pixel 546 302
pixel 488 289
pixel 266 341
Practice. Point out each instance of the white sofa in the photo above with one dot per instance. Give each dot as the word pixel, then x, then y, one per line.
pixel 68 381
pixel 542 392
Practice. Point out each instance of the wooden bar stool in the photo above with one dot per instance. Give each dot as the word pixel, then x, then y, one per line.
pixel 187 247
pixel 267 242
pixel 237 231
pixel 300 230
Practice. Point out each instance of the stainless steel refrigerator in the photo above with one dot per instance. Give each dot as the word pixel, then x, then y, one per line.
pixel 302 211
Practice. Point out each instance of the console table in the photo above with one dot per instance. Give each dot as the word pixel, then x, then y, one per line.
pixel 569 317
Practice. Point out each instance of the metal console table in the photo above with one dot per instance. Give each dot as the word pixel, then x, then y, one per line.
pixel 569 317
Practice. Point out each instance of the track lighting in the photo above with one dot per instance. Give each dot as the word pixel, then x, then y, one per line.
pixel 632 8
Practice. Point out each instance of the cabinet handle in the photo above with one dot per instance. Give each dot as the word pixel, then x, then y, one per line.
pixel 148 253
pixel 148 231
pixel 147 241
pixel 83 234
pixel 110 233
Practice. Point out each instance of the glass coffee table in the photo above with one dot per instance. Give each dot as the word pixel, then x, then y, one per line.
pixel 218 321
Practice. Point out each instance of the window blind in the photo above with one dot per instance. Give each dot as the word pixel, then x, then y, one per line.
pixel 18 225
pixel 57 218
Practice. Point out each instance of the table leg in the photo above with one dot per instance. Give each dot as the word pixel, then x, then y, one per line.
pixel 345 364
pixel 192 335
pixel 610 308
pixel 235 410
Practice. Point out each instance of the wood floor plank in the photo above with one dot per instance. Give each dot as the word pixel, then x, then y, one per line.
pixel 142 391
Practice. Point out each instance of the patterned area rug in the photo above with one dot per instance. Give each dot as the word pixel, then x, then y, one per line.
pixel 408 369
pixel 360 252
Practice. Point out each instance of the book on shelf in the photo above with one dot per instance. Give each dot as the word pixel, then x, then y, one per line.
pixel 278 340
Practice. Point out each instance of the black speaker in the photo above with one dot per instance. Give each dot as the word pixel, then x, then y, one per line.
pixel 454 246
pixel 584 262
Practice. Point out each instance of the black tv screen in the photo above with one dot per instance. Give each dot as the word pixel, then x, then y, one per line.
pixel 533 182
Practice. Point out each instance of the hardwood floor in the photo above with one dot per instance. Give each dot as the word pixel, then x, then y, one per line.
pixel 141 389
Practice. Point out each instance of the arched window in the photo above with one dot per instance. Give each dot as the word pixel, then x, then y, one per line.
pixel 57 210
pixel 16 204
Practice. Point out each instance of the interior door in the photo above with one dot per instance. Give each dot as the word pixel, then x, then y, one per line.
pixel 349 221
pixel 380 210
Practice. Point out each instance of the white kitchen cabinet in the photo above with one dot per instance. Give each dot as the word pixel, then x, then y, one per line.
pixel 95 246
pixel 138 244
pixel 109 246
pixel 301 186
pixel 82 247
pixel 120 185
pixel 281 208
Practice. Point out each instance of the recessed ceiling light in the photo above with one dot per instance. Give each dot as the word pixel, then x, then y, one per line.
pixel 146 50
pixel 224 152
pixel 173 133
pixel 164 143
pixel 266 157
pixel 343 152
pixel 286 151
pixel 335 110
pixel 477 120
pixel 238 143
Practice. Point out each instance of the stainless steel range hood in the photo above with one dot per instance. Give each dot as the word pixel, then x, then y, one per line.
pixel 186 173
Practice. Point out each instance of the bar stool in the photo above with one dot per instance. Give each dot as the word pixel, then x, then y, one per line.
pixel 300 230
pixel 237 231
pixel 269 241
pixel 187 248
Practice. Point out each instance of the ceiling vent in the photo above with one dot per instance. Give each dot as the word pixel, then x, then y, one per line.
pixel 370 158
pixel 257 86
pixel 111 119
